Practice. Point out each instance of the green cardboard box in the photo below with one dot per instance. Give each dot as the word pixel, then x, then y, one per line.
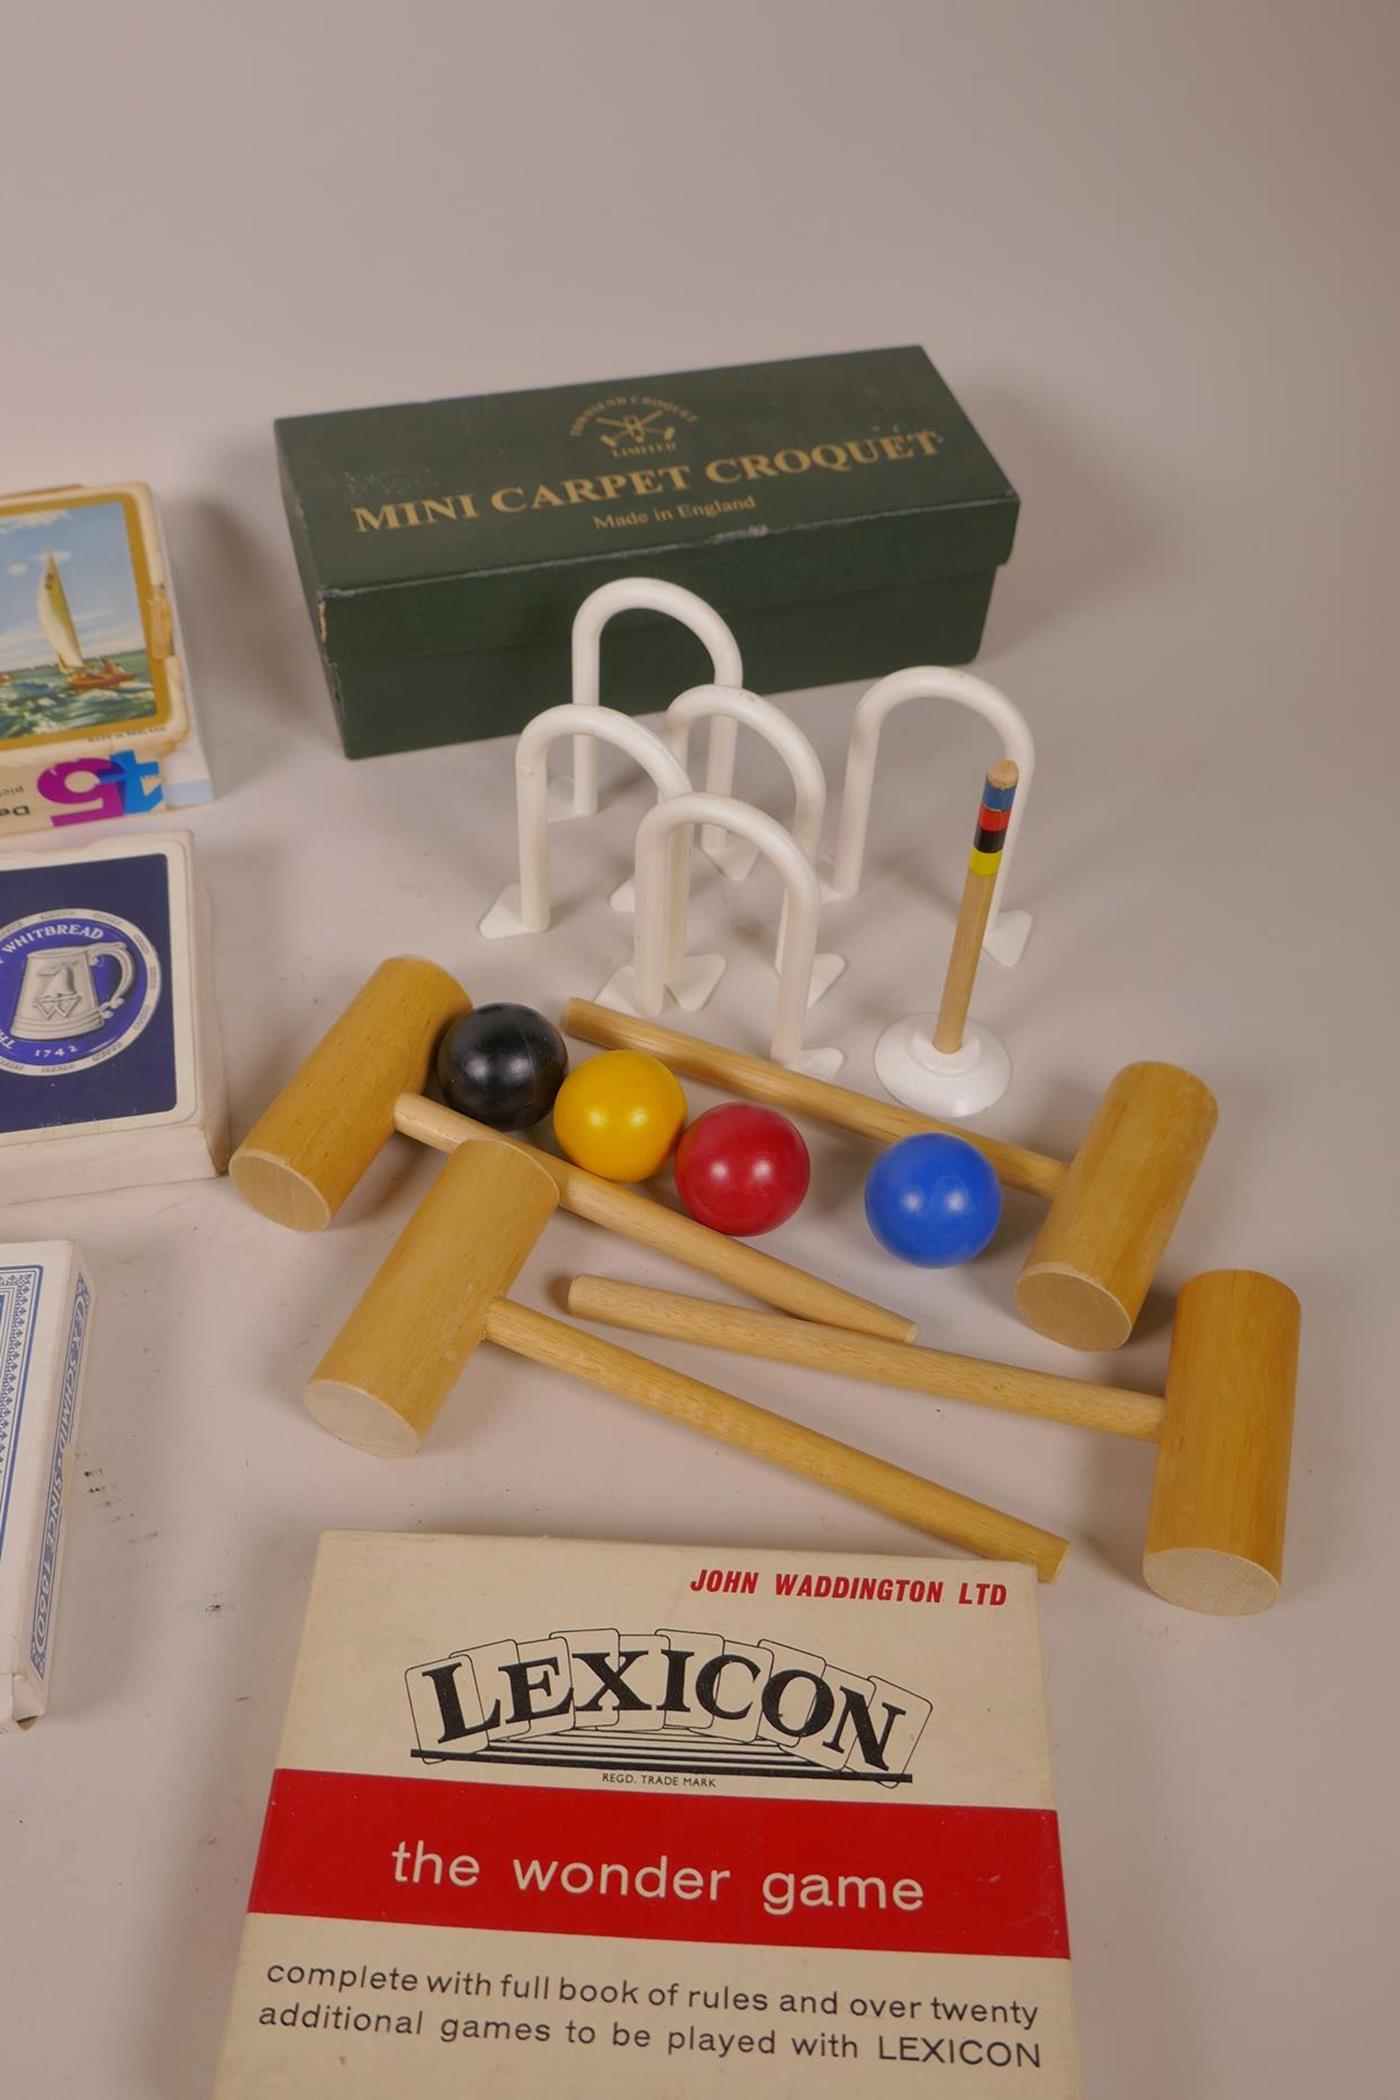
pixel 840 512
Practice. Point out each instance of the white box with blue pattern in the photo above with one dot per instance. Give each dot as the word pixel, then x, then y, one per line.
pixel 46 1302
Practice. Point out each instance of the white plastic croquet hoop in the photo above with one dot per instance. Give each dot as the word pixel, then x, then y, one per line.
pixel 728 707
pixel 644 594
pixel 641 988
pixel 1007 931
pixel 719 705
pixel 525 907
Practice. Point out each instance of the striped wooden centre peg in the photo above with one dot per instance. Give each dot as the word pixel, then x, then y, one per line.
pixel 979 886
pixel 992 820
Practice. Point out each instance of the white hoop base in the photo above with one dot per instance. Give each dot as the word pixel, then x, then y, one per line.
pixel 954 1083
pixel 818 1064
pixel 690 986
pixel 1006 937
pixel 825 971
pixel 503 922
pixel 1007 931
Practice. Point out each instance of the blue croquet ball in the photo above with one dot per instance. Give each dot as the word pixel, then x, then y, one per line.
pixel 933 1199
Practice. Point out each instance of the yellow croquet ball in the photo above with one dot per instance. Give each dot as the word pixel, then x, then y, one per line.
pixel 619 1114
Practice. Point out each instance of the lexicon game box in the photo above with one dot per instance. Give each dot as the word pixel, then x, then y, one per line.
pixel 602 1819
pixel 840 512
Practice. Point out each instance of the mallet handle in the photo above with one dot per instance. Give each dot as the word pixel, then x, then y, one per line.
pixel 915 1370
pixel 758 1080
pixel 895 1493
pixel 651 1224
pixel 979 887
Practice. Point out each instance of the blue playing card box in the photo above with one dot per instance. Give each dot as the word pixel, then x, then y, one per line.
pixel 45 1320
pixel 110 1074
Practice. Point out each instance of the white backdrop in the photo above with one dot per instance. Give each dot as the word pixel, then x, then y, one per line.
pixel 1152 251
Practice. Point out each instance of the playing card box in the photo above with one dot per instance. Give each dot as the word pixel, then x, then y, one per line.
pixel 45 1317
pixel 95 714
pixel 110 1073
pixel 605 1819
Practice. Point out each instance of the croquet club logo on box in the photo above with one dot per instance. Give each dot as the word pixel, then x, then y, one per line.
pixel 93 977
pixel 633 426
pixel 647 1811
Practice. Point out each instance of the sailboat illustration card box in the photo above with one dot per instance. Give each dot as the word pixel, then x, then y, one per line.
pixel 95 718
pixel 599 1819
pixel 45 1321
pixel 110 1073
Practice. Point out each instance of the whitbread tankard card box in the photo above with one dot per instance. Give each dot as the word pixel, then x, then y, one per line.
pixel 110 1074
pixel 95 716
pixel 45 1319
pixel 611 1819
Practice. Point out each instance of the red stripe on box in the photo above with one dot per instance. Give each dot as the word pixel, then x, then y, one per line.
pixel 989 1878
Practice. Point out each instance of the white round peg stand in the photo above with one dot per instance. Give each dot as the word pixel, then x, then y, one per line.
pixel 944 1083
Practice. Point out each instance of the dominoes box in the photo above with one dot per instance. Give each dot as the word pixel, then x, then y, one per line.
pixel 110 1073
pixel 607 1819
pixel 46 1300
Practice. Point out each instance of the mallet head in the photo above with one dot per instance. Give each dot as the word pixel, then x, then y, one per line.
pixel 1107 1228
pixel 382 1381
pixel 303 1156
pixel 1220 1492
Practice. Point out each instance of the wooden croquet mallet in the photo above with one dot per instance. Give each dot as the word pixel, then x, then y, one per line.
pixel 1112 1208
pixel 364 1081
pixel 979 887
pixel 1223 1431
pixel 440 1292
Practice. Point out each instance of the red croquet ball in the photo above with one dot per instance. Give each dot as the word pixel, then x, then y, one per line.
pixel 741 1170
